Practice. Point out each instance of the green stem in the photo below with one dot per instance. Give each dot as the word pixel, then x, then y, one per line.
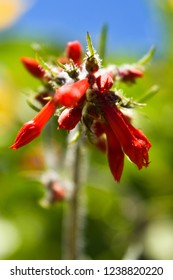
pixel 73 220
pixel 74 208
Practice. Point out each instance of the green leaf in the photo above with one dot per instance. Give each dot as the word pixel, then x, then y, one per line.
pixel 61 65
pixel 32 106
pixel 90 45
pixel 147 57
pixel 45 66
pixel 43 63
pixel 102 43
pixel 149 94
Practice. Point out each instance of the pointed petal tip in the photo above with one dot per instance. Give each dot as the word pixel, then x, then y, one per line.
pixel 13 147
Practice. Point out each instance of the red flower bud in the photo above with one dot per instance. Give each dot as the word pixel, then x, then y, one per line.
pixel 74 51
pixel 58 193
pixel 69 118
pixel 33 67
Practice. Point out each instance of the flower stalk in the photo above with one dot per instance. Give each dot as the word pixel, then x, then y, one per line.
pixel 74 217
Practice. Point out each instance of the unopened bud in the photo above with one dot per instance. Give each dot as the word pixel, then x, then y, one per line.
pixel 92 64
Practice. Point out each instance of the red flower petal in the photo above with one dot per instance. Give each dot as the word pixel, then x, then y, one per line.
pixel 45 114
pixel 115 154
pixel 104 82
pixel 70 95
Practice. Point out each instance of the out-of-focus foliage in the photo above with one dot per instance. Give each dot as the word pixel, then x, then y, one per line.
pixel 133 219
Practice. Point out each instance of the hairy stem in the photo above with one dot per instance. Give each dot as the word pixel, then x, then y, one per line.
pixel 74 208
pixel 74 219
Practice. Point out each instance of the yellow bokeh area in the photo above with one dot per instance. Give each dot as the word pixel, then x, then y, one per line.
pixel 11 10
pixel 8 98
pixel 170 2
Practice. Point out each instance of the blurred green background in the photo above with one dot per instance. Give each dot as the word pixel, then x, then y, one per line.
pixel 129 220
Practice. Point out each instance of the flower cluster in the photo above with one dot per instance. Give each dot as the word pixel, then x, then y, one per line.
pixel 82 91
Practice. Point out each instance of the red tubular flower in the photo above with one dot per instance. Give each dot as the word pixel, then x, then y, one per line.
pixel 74 51
pixel 33 67
pixel 134 143
pixel 70 95
pixel 115 154
pixel 32 129
pixel 69 118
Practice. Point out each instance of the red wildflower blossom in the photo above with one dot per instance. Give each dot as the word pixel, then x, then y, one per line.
pixel 33 67
pixel 134 143
pixel 70 95
pixel 83 93
pixel 32 129
pixel 74 51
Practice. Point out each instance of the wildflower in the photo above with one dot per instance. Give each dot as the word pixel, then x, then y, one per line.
pixel 83 93
pixel 133 142
pixel 30 130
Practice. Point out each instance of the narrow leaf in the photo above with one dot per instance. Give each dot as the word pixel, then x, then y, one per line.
pixel 147 58
pixel 102 43
pixel 90 45
pixel 149 94
pixel 32 106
